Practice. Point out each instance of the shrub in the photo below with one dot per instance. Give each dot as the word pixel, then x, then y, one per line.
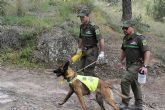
pixel 156 9
pixel 159 9
pixel 20 10
pixel 73 6
pixel 3 4
pixel 139 25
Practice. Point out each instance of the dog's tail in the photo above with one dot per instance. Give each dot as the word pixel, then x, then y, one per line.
pixel 119 94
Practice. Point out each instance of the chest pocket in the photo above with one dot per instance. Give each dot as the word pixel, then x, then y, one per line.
pixel 131 44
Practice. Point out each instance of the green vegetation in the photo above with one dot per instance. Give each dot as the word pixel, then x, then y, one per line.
pixel 31 21
pixel 25 13
pixel 3 4
pixel 45 14
pixel 156 9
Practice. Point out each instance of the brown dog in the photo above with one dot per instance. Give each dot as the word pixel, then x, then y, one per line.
pixel 102 89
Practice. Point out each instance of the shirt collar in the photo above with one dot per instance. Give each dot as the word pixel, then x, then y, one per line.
pixel 130 37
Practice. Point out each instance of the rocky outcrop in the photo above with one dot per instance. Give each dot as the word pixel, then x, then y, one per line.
pixel 55 46
pixel 9 38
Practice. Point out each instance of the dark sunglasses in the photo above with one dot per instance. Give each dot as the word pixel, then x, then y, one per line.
pixel 125 28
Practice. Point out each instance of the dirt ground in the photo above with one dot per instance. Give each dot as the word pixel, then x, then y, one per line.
pixel 39 90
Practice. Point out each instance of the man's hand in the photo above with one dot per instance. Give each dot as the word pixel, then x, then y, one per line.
pixel 100 58
pixel 143 69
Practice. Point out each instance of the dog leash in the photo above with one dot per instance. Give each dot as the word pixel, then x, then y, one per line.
pixel 87 66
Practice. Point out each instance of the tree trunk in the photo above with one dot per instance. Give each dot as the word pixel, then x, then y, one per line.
pixel 127 10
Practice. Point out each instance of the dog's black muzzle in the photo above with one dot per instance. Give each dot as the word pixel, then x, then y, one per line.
pixel 58 72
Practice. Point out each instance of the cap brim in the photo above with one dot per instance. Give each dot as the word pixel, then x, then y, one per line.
pixel 126 26
pixel 81 14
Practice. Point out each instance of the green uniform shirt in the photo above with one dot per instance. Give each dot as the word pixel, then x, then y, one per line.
pixel 90 34
pixel 134 47
pixel 90 81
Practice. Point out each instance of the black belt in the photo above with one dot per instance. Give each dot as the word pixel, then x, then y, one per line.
pixel 89 47
pixel 135 62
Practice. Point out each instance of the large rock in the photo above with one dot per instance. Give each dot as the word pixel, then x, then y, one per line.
pixel 9 38
pixel 55 46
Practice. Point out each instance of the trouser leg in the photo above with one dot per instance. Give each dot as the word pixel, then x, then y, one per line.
pixel 125 88
pixel 137 93
pixel 90 57
pixel 136 88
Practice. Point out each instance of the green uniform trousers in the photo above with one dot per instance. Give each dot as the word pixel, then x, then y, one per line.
pixel 130 80
pixel 89 56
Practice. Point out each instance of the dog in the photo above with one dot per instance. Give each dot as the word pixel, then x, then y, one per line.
pixel 102 89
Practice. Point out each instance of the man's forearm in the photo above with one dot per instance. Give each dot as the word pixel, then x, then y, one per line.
pixel 146 57
pixel 122 57
pixel 101 44
pixel 80 44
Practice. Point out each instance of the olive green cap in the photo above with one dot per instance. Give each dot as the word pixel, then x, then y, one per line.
pixel 128 23
pixel 83 12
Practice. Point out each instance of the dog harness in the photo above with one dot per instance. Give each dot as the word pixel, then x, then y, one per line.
pixel 89 81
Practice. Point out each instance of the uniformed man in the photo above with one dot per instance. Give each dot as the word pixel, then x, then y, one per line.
pixel 137 54
pixel 89 38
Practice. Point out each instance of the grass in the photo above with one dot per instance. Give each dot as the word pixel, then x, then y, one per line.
pixel 107 18
pixel 31 21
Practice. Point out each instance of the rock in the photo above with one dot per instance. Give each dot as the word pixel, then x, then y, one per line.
pixel 9 38
pixel 55 46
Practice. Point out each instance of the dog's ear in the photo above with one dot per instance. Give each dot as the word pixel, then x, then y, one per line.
pixel 66 66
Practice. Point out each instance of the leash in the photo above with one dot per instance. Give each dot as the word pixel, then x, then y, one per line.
pixel 87 66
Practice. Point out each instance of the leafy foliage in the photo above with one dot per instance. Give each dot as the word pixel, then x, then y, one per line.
pixel 72 7
pixel 139 25
pixel 156 9
pixel 159 9
pixel 19 5
pixel 3 4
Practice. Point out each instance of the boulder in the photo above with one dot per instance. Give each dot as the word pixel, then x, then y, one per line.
pixel 9 38
pixel 55 46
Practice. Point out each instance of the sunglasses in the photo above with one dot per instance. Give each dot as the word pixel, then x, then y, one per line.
pixel 125 28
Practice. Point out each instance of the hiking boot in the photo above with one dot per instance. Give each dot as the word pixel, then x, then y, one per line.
pixel 122 106
pixel 135 107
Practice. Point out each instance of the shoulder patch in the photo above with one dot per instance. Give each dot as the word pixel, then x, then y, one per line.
pixel 144 42
pixel 97 31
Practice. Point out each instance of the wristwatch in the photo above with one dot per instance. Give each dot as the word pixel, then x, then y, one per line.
pixel 145 66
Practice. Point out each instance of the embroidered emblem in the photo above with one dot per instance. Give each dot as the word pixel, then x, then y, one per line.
pixel 133 43
pixel 88 32
pixel 97 31
pixel 144 42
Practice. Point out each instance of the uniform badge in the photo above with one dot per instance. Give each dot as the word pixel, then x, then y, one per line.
pixel 97 31
pixel 133 43
pixel 144 42
pixel 88 32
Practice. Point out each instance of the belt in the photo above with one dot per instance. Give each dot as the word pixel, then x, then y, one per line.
pixel 89 47
pixel 134 63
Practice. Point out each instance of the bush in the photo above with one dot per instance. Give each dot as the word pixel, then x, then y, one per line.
pixel 3 4
pixel 156 9
pixel 73 6
pixel 139 25
pixel 159 9
pixel 20 10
